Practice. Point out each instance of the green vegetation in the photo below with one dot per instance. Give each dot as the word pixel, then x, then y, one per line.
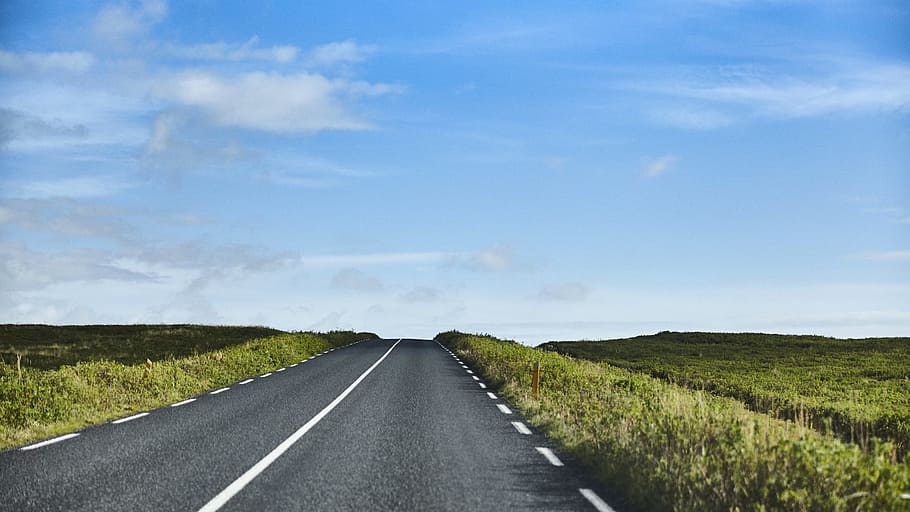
pixel 669 447
pixel 855 389
pixel 37 403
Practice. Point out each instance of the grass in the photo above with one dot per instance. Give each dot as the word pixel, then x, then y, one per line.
pixel 63 396
pixel 662 446
pixel 857 389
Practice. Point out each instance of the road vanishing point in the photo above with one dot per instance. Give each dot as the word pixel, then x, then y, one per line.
pixel 394 424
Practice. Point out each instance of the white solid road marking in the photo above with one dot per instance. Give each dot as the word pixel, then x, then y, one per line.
pixel 264 375
pixel 491 395
pixel 222 390
pixel 475 377
pixel 237 485
pixel 245 381
pixel 482 385
pixel 519 426
pixel 49 441
pixel 503 409
pixel 595 500
pixel 130 418
pixel 548 453
pixel 188 400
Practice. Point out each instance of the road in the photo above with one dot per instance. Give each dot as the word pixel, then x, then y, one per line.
pixel 376 425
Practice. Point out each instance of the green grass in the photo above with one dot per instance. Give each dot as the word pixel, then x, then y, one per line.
pixel 857 389
pixel 36 403
pixel 662 446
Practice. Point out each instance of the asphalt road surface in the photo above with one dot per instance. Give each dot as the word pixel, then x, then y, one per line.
pixel 376 425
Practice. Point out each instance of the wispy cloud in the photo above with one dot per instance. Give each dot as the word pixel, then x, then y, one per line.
pixel 356 280
pixel 117 23
pixel 565 292
pixel 658 166
pixel 45 62
pixel 221 51
pixel 342 52
pixel 273 102
pixel 884 256
pixel 78 187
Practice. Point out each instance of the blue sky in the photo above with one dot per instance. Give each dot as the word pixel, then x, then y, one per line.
pixel 533 170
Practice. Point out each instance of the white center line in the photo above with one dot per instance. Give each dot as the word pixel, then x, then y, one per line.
pixel 595 500
pixel 237 485
pixel 548 453
pixel 130 418
pixel 492 396
pixel 49 441
pixel 519 426
pixel 503 409
pixel 245 381
pixel 482 385
pixel 188 400
pixel 264 375
pixel 222 390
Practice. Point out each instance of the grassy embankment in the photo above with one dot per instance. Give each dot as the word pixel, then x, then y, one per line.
pixel 662 446
pixel 71 377
pixel 855 389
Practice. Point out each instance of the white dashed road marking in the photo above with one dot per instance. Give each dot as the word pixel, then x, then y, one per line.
pixel 482 385
pixel 245 381
pixel 222 390
pixel 491 395
pixel 520 427
pixel 130 418
pixel 281 369
pixel 49 441
pixel 188 400
pixel 264 375
pixel 595 500
pixel 548 453
pixel 475 377
pixel 503 409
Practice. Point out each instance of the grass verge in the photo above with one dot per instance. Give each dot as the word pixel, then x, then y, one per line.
pixel 666 447
pixel 36 404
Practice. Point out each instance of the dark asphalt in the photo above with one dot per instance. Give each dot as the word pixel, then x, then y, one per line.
pixel 418 433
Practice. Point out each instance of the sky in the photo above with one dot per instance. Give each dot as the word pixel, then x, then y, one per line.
pixel 533 170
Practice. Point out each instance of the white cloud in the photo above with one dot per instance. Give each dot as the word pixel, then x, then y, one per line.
pixel 498 258
pixel 45 62
pixel 658 166
pixel 117 23
pixel 344 52
pixel 77 187
pixel 272 102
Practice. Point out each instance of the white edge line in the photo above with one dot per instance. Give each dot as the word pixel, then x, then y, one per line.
pixel 475 377
pixel 595 500
pixel 521 428
pixel 264 375
pixel 245 381
pixel 503 409
pixel 237 485
pixel 222 390
pixel 469 371
pixel 188 400
pixel 130 418
pixel 49 441
pixel 281 369
pixel 550 456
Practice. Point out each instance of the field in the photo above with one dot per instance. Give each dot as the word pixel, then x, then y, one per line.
pixel 856 389
pixel 662 446
pixel 71 377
